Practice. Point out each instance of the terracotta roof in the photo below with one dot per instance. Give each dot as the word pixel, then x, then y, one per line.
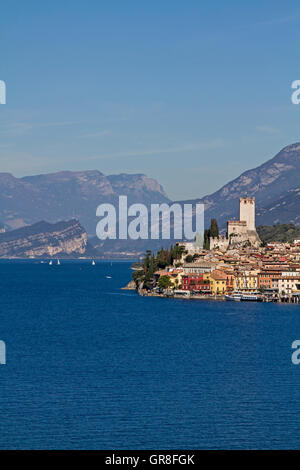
pixel 219 275
pixel 203 264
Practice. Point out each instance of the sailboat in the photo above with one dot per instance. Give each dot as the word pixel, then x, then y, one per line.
pixel 109 277
pixel 50 262
pixel 58 262
pixel 93 263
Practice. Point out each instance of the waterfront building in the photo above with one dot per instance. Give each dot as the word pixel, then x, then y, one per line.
pixel 246 281
pixel 289 283
pixel 270 273
pixel 198 267
pixel 175 276
pixel 268 277
pixel 218 282
pixel 196 283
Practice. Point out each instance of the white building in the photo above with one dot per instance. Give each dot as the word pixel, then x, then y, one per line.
pixel 289 283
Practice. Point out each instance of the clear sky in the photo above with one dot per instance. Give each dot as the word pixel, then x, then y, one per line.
pixel 189 92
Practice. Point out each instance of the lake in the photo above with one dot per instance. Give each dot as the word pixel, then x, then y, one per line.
pixel 90 366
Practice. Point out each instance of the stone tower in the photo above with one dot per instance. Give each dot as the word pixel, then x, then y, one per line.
pixel 247 211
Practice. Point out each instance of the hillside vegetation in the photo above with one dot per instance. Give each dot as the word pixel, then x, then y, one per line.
pixel 278 233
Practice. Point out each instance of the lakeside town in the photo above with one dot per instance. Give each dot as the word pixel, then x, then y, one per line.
pixel 237 266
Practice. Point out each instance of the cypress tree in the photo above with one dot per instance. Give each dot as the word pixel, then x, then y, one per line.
pixel 214 229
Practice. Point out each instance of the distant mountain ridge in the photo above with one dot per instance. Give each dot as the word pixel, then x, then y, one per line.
pixel 67 194
pixel 275 185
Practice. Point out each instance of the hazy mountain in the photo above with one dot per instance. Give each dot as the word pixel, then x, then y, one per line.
pixel 285 209
pixel 275 185
pixel 67 194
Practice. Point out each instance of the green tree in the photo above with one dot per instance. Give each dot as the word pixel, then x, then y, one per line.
pixel 165 282
pixel 214 229
pixel 206 239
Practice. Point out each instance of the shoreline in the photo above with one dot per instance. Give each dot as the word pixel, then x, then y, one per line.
pixel 183 297
pixel 214 298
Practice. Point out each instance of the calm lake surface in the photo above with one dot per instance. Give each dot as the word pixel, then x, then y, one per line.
pixel 91 366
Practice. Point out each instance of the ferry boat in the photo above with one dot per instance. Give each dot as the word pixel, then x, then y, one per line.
pixel 238 297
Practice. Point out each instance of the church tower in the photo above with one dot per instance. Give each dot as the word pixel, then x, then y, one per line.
pixel 247 211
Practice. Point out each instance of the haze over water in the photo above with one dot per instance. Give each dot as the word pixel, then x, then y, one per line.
pixel 91 366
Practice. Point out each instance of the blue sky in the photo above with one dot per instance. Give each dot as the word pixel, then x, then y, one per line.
pixel 191 93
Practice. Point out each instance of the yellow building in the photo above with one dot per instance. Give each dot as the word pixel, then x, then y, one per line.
pixel 246 281
pixel 174 275
pixel 218 282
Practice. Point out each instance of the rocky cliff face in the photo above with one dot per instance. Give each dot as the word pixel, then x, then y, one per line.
pixel 274 184
pixel 67 238
pixel 67 194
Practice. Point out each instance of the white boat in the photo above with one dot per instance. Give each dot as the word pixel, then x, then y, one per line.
pixel 108 277
pixel 93 263
pixel 235 297
pixel 58 262
pixel 50 262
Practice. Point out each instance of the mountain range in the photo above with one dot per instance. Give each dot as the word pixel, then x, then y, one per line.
pixel 275 185
pixel 67 194
pixel 70 194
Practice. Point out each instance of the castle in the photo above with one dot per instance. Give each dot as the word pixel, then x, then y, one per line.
pixel 240 232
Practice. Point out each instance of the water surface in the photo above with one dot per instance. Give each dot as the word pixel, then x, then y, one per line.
pixel 91 366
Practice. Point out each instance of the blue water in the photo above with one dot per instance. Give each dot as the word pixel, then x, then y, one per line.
pixel 92 367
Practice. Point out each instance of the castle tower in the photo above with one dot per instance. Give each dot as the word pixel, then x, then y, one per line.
pixel 247 211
